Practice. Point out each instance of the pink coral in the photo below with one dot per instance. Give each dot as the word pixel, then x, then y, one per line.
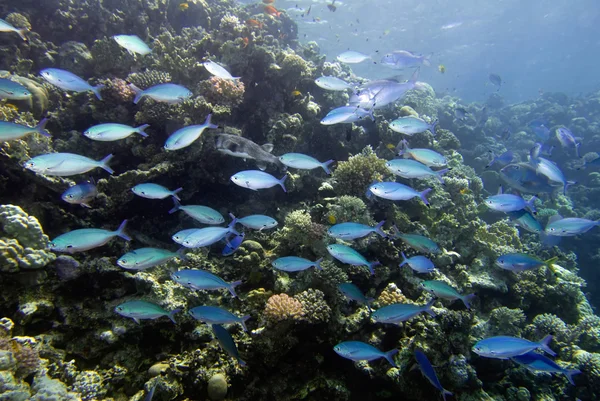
pixel 221 91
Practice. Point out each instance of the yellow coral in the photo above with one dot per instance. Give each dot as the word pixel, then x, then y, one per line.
pixel 391 295
pixel 282 307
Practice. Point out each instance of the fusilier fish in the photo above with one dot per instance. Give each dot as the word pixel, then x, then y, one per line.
pixel 525 219
pixel 6 27
pixel 429 372
pixel 551 170
pixel 154 191
pixel 166 93
pixel 400 59
pixel 505 347
pixel 396 191
pixel 237 146
pixel 418 242
pixel 218 70
pixel 418 263
pixel 145 258
pixel 398 313
pixel 13 90
pixel 216 315
pixel 360 351
pixel 86 238
pixel 496 80
pixel 412 125
pixel 232 244
pixel 203 280
pixel 570 226
pixel 202 214
pixel 352 57
pixel 540 363
pixel 345 254
pixel 349 231
pixel 296 264
pixel 66 164
pixel 185 136
pixel 68 81
pixel 10 131
pixel 510 203
pixel 518 262
pixel 255 180
pixel 142 310
pixel 503 159
pixel 428 157
pixel 133 44
pixel 347 115
pixel 408 168
pixel 304 162
pixel 523 177
pixel 114 132
pixel 354 293
pixel 207 236
pixel 81 194
pixel 226 342
pixel 333 84
pixel 443 290
pixel 567 140
pixel 258 222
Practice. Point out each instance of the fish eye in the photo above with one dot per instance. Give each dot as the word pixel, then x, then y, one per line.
pixel 52 245
pixel 26 93
pixel 70 196
pixel 119 308
pixel 69 246
pixel 124 261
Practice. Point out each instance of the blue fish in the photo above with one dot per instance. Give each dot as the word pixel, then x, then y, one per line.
pixel 203 214
pixel 518 262
pixel 13 90
pixel 114 132
pixel 569 227
pixel 68 81
pixel 207 236
pixel 359 351
pixel 86 238
pixel 395 191
pixel 352 57
pixel 347 115
pixel 10 131
pixel 429 372
pixel 185 136
pixel 412 125
pixel 510 203
pixel 349 231
pixel 551 171
pixel 145 258
pixel 6 27
pixel 538 362
pixel 150 394
pixel 233 244
pixel 418 242
pixel 523 177
pixel 408 168
pixel 133 44
pixel 81 194
pixel 216 315
pixel 505 347
pixel 567 140
pixel 256 179
pixel 304 162
pixel 66 164
pixel 138 310
pixel 154 191
pixel 418 263
pixel 258 222
pixel 295 264
pixel 345 254
pixel 203 280
pixel 352 292
pixel 541 132
pixel 398 313
pixel 504 159
pixel 525 219
pixel 166 93
pixel 227 342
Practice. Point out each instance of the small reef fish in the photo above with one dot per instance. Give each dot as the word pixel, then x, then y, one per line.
pixel 154 191
pixel 216 315
pixel 551 171
pixel 272 11
pixel 114 132
pixel 68 81
pixel 10 131
pixel 418 263
pixel 295 264
pixel 345 254
pixel 226 342
pixel 461 113
pixel 510 203
pixel 541 363
pixel 185 136
pixel 408 168
pixel 525 219
pixel 258 222
pixel 352 57
pixel 255 180
pixel 218 70
pixel 304 162
pixel 443 290
pixel 360 351
pixel 495 80
pixel 81 194
pixel 518 262
pixel 66 164
pixel 352 292
pixel 505 347
pixel 412 125
pixel 142 310
pixel 396 191
pixel 6 27
pixel 203 280
pixel 428 157
pixel 398 313
pixel 570 226
pixel 349 231
pixel 333 84
pixel 233 244
pixel 202 214
pixel 442 69
pixel 206 236
pixel 166 93
pixel 567 140
pixel 504 159
pixel 133 44
pixel 418 242
pixel 86 238
pixel 145 258
pixel 429 372
pixel 13 90
pixel 400 59
pixel 255 23
pixel 347 115
pixel 238 146
pixel 523 177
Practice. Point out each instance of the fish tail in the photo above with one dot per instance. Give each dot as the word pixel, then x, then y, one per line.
pixel 427 60
pixel 388 355
pixel 243 321
pixel 372 265
pixel 173 313
pixel 422 196
pixel 318 264
pixel 208 123
pixel 282 182
pixel 231 225
pixel 181 253
pixel 371 110
pixel 577 145
pixel 96 89
pixel 378 229
pixel 531 204
pixel 325 165
pixel 141 128
pixel 467 300
pixel 175 192
pixel 22 32
pixel 427 308
pixel 445 393
pixel 104 164
pixel 415 76
pixel 567 185
pixel 369 194
pixel 138 93
pixel 41 127
pixel 439 175
pixel 232 286
pixel 395 231
pixel 433 125
pixel 121 231
pixel 404 259
pixel 550 264
pixel 570 373
pixel 176 206
pixel 544 345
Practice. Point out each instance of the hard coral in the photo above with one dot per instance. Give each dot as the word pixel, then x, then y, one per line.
pixel 282 307
pixel 314 305
pixel 223 91
pixel 352 177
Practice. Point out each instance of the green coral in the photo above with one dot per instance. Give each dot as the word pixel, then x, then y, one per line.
pixel 353 177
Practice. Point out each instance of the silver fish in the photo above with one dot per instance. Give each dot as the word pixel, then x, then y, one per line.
pixel 237 146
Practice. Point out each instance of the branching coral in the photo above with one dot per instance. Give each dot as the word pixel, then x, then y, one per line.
pixel 352 177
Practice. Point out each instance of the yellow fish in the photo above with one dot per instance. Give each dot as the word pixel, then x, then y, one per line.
pixel 184 6
pixel 296 93
pixel 442 68
pixel 391 146
pixel 331 219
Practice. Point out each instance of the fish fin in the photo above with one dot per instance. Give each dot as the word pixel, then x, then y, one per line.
pixel 138 93
pixel 567 185
pixel 135 319
pixel 555 217
pixel 427 308
pixel 282 181
pixel 176 206
pixel 372 265
pixel 262 166
pixel 242 363
pixel 22 32
pixel 531 204
pixel 96 89
pixel 415 76
pixel 181 253
pixel 325 165
pixel 544 345
pixel 570 373
pixel 232 286
pixel 467 300
pixel 104 164
pixel 208 123
pixel 41 128
pixel 439 175
pixel 141 128
pixel 175 192
pixel 404 259
pixel 445 393
pixel 378 229
pixel 369 194
pixel 550 264
pixel 85 205
pixel 433 125
pixel 232 224
pixel 500 190
pixel 267 147
pixel 318 264
pixel 388 355
pixel 422 196
pixel 243 321
pixel 173 313
pixel 121 231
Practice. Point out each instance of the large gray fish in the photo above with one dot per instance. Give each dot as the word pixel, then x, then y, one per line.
pixel 237 146
pixel 523 177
